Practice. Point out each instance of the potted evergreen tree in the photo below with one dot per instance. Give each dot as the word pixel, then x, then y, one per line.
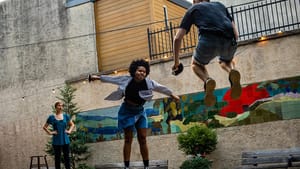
pixel 197 142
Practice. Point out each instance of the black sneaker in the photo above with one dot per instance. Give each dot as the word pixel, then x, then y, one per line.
pixel 89 78
pixel 236 88
pixel 209 87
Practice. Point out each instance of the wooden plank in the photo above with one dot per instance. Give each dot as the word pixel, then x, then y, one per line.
pixel 267 159
pixel 264 160
pixel 270 166
pixel 271 159
pixel 261 153
pixel 153 164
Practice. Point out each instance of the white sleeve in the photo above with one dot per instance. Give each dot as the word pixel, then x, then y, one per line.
pixel 118 80
pixel 160 88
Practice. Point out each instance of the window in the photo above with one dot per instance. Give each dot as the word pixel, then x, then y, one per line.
pixel 71 3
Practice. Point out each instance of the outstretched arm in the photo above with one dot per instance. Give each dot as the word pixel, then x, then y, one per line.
pixel 176 98
pixel 235 31
pixel 176 46
pixel 118 80
pixel 164 90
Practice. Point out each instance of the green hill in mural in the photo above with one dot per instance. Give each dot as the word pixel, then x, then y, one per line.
pixel 258 116
pixel 272 109
pixel 286 109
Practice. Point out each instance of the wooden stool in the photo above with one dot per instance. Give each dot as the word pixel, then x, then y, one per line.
pixel 38 164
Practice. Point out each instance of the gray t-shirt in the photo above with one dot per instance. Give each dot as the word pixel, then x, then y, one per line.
pixel 208 17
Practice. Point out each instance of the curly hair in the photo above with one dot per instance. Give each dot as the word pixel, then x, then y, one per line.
pixel 136 63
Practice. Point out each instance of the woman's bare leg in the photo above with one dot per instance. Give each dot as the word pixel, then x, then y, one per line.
pixel 127 144
pixel 142 134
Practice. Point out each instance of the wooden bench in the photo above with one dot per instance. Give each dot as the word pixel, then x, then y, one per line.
pixel 269 159
pixel 153 164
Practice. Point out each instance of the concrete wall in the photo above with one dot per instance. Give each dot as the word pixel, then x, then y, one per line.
pixel 42 44
pixel 257 62
pixel 231 2
pixel 235 2
pixel 231 142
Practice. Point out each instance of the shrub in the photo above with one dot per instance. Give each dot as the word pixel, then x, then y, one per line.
pixel 196 163
pixel 197 140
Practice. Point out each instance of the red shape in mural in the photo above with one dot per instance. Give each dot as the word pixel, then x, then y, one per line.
pixel 249 95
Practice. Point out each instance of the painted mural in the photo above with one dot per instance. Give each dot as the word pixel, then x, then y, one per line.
pixel 259 102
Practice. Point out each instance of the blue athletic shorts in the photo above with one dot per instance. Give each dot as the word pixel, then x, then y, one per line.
pixel 213 45
pixel 132 117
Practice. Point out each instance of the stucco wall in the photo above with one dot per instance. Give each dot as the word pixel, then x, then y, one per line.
pixel 231 142
pixel 262 61
pixel 257 62
pixel 41 45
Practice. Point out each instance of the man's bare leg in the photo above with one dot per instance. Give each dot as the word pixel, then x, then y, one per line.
pixel 227 66
pixel 200 70
pixel 234 78
pixel 209 84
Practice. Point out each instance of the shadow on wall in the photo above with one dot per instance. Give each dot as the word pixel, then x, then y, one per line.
pixel 259 102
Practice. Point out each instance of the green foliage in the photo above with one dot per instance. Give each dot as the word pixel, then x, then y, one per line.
pixel 196 163
pixel 49 149
pixel 197 140
pixel 79 150
pixel 84 166
pixel 67 97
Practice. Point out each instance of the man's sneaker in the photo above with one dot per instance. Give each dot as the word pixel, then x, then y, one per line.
pixel 236 89
pixel 89 78
pixel 146 167
pixel 209 87
pixel 126 167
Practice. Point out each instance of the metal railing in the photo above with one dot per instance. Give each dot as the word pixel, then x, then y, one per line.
pixel 267 17
pixel 160 42
pixel 253 20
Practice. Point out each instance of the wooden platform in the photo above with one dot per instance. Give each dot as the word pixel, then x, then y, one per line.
pixel 269 159
pixel 153 164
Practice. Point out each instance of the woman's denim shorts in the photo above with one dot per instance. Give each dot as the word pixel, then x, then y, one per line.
pixel 132 117
pixel 213 45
